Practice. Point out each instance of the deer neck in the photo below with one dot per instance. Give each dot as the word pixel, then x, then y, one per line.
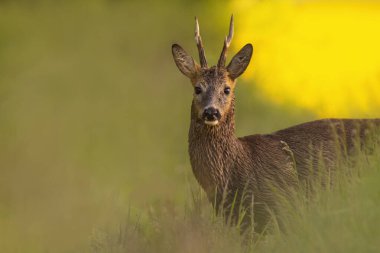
pixel 213 149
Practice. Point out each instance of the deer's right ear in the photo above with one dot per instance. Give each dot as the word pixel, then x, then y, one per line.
pixel 240 61
pixel 184 62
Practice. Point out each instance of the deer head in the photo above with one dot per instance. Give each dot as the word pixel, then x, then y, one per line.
pixel 214 86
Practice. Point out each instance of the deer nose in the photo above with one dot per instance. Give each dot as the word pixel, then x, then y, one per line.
pixel 211 114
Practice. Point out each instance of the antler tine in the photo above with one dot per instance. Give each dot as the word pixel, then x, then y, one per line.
pixel 198 40
pixel 227 43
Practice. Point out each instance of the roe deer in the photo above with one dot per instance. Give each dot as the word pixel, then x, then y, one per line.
pixel 259 166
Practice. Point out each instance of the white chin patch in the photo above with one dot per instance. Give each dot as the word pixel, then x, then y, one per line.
pixel 212 123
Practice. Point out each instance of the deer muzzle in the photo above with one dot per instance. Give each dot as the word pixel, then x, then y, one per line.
pixel 211 116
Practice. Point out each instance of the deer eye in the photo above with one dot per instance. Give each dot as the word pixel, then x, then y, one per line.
pixel 227 90
pixel 197 90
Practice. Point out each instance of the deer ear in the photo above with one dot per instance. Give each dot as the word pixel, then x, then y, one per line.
pixel 184 62
pixel 240 61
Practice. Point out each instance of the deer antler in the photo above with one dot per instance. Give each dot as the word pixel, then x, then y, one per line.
pixel 227 42
pixel 198 40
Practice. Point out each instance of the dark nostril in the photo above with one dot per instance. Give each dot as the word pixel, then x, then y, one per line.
pixel 217 114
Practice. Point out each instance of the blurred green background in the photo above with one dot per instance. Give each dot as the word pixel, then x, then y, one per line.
pixel 94 113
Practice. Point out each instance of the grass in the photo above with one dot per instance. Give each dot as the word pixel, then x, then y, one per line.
pixel 344 218
pixel 93 137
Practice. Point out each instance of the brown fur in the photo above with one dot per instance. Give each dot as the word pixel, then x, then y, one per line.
pixel 265 166
pixel 256 171
pixel 251 166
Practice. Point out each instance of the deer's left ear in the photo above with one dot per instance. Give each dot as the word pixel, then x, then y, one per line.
pixel 184 62
pixel 240 61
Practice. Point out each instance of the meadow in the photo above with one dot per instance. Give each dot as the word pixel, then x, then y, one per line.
pixel 93 135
